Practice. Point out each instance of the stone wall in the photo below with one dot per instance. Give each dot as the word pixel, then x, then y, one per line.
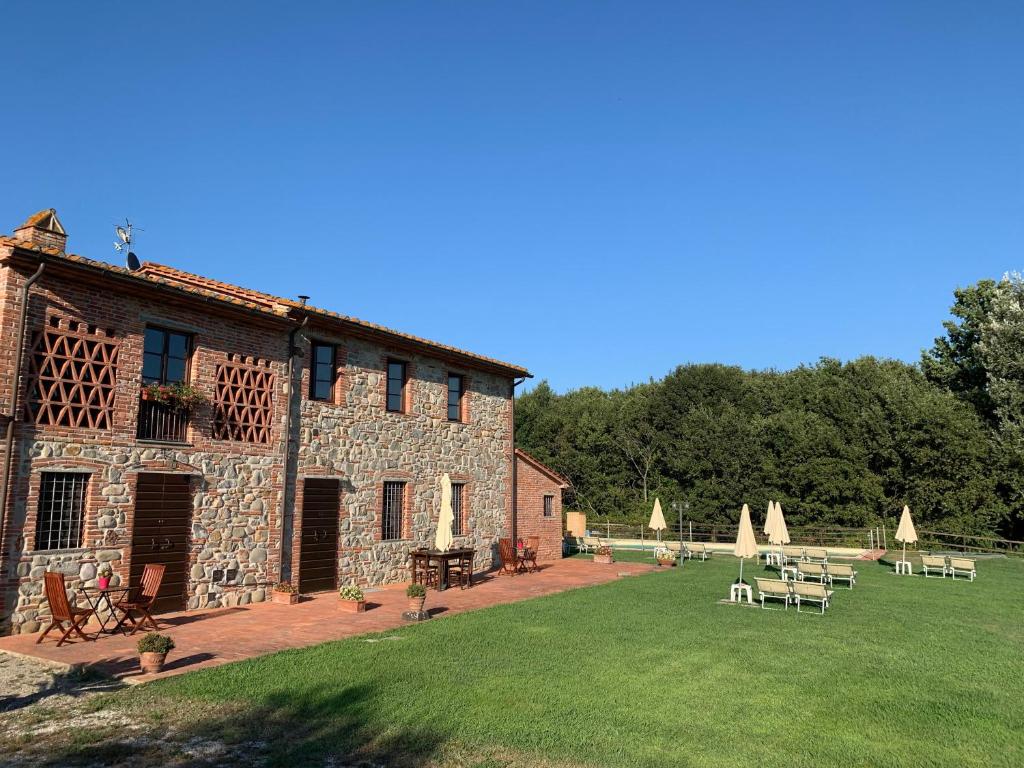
pixel 355 439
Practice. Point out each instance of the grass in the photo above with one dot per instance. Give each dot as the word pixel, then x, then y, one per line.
pixel 646 671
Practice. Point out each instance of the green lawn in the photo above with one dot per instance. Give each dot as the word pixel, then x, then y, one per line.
pixel 652 671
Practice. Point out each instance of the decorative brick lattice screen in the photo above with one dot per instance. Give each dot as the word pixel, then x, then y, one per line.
pixel 71 377
pixel 243 403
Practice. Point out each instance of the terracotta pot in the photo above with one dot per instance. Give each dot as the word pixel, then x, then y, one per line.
pixel 604 559
pixel 152 662
pixel 284 598
pixel 103 581
pixel 352 606
pixel 666 563
pixel 416 604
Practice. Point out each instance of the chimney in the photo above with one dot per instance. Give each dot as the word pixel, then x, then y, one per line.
pixel 43 229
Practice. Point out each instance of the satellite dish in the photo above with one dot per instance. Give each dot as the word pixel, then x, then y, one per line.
pixel 133 262
pixel 123 234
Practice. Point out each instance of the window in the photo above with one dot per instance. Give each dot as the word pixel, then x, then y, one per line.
pixel 396 386
pixel 549 506
pixel 321 374
pixel 455 387
pixel 394 505
pixel 165 356
pixel 457 495
pixel 61 507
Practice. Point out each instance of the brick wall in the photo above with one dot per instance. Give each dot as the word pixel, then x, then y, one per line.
pixel 532 485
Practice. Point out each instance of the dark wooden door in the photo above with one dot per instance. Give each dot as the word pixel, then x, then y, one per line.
pixel 318 554
pixel 163 514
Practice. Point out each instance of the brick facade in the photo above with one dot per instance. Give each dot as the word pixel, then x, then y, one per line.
pixel 534 483
pixel 247 491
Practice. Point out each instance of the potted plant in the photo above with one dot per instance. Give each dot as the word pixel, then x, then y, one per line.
pixel 417 594
pixel 603 554
pixel 664 556
pixel 352 599
pixel 179 395
pixel 103 575
pixel 284 594
pixel 153 649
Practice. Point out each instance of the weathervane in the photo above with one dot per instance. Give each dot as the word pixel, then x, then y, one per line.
pixel 124 235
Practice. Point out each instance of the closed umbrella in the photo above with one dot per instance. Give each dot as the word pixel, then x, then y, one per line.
pixel 657 519
pixel 746 545
pixel 779 534
pixel 769 519
pixel 906 532
pixel 443 537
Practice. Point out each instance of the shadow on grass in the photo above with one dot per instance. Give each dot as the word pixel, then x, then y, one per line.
pixel 322 727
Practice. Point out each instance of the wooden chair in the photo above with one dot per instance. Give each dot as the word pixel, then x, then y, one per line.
pixel 61 612
pixel 510 562
pixel 141 599
pixel 461 572
pixel 423 571
pixel 529 556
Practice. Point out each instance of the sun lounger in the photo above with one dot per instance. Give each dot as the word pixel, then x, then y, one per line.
pixel 931 563
pixel 580 543
pixel 811 592
pixel 774 589
pixel 696 549
pixel 811 572
pixel 792 554
pixel 816 555
pixel 963 564
pixel 841 571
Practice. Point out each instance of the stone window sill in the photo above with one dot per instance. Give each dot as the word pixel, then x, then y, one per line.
pixel 158 443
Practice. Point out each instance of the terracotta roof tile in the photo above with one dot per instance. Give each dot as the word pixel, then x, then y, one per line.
pixel 161 274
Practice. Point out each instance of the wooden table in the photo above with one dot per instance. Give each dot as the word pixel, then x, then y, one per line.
pixel 97 597
pixel 422 557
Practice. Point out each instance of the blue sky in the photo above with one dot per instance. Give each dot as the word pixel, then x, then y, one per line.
pixel 596 190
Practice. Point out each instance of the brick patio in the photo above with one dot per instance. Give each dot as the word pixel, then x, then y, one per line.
pixel 213 637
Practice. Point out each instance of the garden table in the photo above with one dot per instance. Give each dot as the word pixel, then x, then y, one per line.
pixel 97 597
pixel 444 559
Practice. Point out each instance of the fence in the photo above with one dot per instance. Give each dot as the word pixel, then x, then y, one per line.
pixel 877 537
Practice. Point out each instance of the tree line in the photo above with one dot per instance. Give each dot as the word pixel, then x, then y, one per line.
pixel 838 444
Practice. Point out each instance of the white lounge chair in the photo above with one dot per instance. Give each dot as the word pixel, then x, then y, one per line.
pixel 963 564
pixel 580 543
pixel 774 589
pixel 792 554
pixel 816 555
pixel 811 571
pixel 811 592
pixel 930 563
pixel 696 549
pixel 841 571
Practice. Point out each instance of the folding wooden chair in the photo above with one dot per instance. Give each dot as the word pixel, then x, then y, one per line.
pixel 141 599
pixel 61 611
pixel 510 562
pixel 529 556
pixel 461 572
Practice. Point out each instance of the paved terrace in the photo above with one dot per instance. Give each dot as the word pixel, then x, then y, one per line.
pixel 218 636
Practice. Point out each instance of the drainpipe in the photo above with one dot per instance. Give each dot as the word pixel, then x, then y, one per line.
pixel 286 518
pixel 515 500
pixel 13 410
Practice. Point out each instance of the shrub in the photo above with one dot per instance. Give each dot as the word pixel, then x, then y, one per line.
pixel 155 643
pixel 182 395
pixel 351 593
pixel 285 587
pixel 105 570
pixel 604 549
pixel 415 590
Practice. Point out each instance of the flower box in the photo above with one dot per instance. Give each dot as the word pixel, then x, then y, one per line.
pixel 604 559
pixel 352 606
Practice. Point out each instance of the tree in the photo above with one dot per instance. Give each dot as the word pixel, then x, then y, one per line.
pixel 636 434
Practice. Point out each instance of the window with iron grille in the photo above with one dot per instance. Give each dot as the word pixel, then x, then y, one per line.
pixel 391 515
pixel 549 506
pixel 321 378
pixel 454 397
pixel 61 509
pixel 458 490
pixel 165 356
pixel 396 386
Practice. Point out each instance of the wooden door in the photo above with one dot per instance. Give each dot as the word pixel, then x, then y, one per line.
pixel 318 553
pixel 163 515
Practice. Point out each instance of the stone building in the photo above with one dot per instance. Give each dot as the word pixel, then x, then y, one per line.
pixel 539 505
pixel 239 438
